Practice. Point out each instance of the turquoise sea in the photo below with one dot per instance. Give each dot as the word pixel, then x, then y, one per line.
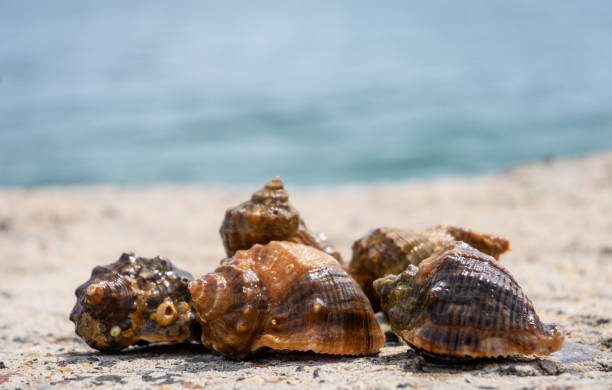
pixel 319 92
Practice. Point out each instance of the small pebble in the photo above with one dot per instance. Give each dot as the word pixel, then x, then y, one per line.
pixel 5 225
pixel 391 338
pixel 404 385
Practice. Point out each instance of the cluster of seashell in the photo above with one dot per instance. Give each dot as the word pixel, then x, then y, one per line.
pixel 283 287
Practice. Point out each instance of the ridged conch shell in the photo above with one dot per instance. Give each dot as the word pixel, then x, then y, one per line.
pixel 134 300
pixel 268 216
pixel 461 303
pixel 284 296
pixel 390 250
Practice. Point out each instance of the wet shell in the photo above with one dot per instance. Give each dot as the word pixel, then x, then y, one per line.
pixel 134 300
pixel 268 216
pixel 388 250
pixel 462 303
pixel 284 296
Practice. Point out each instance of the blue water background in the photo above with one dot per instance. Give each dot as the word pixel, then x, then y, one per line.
pixel 318 92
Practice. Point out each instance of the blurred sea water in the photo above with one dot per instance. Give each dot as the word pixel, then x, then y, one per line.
pixel 318 92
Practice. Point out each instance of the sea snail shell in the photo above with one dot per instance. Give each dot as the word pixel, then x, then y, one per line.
pixel 134 300
pixel 284 296
pixel 461 303
pixel 268 216
pixel 389 250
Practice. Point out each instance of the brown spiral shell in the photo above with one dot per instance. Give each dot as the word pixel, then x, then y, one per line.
pixel 461 303
pixel 134 300
pixel 390 250
pixel 284 296
pixel 268 216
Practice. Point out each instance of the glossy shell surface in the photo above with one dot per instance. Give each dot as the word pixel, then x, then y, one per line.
pixel 284 296
pixel 268 216
pixel 134 300
pixel 390 250
pixel 462 303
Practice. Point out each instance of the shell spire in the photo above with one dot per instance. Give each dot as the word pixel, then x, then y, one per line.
pixel 274 189
pixel 461 303
pixel 268 216
pixel 284 296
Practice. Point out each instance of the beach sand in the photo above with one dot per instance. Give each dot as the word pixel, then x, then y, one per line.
pixel 557 215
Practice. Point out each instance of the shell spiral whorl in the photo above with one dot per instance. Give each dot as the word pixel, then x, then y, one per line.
pixel 230 305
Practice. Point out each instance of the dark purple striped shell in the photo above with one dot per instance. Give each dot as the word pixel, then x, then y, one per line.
pixel 388 250
pixel 461 303
pixel 268 216
pixel 134 300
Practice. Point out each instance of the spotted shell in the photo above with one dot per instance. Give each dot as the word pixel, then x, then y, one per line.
pixel 462 303
pixel 134 300
pixel 390 250
pixel 284 296
pixel 268 216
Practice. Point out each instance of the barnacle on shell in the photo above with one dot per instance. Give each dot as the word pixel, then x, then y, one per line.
pixel 462 303
pixel 134 300
pixel 284 296
pixel 390 250
pixel 268 216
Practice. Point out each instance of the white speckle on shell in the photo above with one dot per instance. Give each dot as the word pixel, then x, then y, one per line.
pixel 115 331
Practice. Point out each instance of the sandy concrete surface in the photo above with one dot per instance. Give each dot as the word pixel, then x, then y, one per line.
pixel 557 214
